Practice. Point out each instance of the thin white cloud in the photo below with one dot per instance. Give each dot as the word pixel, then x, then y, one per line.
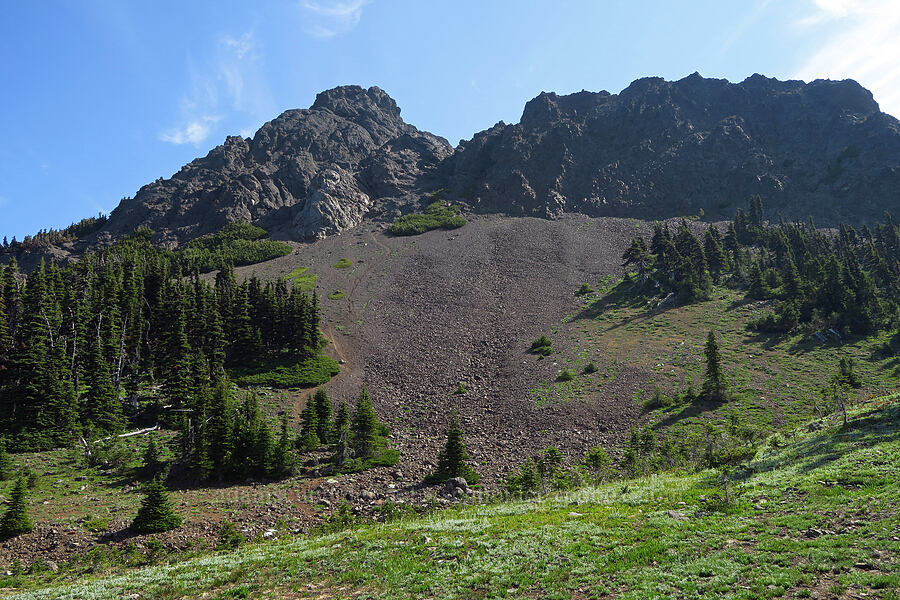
pixel 195 132
pixel 241 45
pixel 230 84
pixel 4 201
pixel 328 19
pixel 859 41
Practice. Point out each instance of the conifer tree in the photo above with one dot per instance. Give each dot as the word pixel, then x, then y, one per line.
pixel 714 385
pixel 453 458
pixel 177 359
pixel 759 289
pixel 6 463
pixel 101 410
pixel 59 417
pixel 6 341
pixel 638 255
pixel 15 520
pixel 341 420
pixel 364 428
pixel 153 464
pixel 716 259
pixel 219 428
pixel 30 362
pixel 283 457
pixel 156 513
pixel 309 438
pixel 324 422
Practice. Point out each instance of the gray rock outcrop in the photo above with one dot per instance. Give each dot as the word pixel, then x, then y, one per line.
pixel 660 149
pixel 306 174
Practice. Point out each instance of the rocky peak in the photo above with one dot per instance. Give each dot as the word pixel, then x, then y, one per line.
pixel 657 149
pixel 667 148
pixel 306 174
pixel 352 101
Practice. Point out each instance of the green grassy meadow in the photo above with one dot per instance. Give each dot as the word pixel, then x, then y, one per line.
pixel 814 515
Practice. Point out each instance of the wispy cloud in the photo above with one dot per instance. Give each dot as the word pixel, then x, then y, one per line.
pixel 330 18
pixel 3 200
pixel 229 85
pixel 194 132
pixel 859 41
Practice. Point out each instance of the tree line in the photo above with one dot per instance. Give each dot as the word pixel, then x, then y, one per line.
pixel 78 343
pixel 847 280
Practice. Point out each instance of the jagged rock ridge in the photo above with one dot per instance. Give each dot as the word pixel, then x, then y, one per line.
pixel 306 174
pixel 661 149
pixel 655 150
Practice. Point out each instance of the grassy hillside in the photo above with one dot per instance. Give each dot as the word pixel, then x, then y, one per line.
pixel 815 515
pixel 775 380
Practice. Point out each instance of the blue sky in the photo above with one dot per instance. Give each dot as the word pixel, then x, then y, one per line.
pixel 101 97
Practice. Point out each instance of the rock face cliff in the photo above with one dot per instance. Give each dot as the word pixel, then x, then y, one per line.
pixel 661 149
pixel 304 175
pixel 655 150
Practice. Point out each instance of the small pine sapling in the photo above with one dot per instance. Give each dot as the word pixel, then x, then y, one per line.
pixel 453 460
pixel 156 513
pixel 15 520
pixel 6 463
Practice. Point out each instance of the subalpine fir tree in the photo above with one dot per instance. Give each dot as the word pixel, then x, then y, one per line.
pixel 341 420
pixel 59 418
pixel 101 409
pixel 309 438
pixel 16 520
pixel 153 464
pixel 638 256
pixel 324 422
pixel 6 342
pixel 156 513
pixel 716 259
pixel 714 385
pixel 364 428
pixel 30 361
pixel 453 460
pixel 177 359
pixel 283 456
pixel 6 463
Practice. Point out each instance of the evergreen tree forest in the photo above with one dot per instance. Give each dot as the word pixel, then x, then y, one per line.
pixel 83 346
pixel 844 281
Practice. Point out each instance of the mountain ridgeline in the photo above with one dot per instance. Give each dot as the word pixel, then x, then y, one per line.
pixel 658 149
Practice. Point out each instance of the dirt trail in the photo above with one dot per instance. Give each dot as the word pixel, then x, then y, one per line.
pixel 338 351
pixel 296 497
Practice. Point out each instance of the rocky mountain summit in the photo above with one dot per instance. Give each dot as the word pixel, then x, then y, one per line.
pixel 655 150
pixel 306 174
pixel 661 149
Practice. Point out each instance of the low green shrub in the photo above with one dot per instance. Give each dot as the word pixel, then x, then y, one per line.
pixel 235 244
pixel 566 375
pixel 229 537
pixel 303 281
pixel 542 346
pixel 344 263
pixel 304 374
pixel 658 400
pixel 438 215
pixel 95 524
